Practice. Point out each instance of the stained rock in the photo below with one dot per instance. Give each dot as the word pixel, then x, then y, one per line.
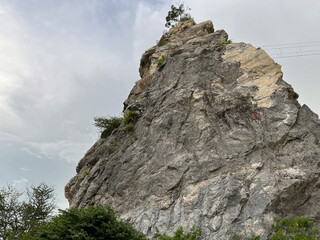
pixel 221 142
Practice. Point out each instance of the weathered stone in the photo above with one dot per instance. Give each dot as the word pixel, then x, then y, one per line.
pixel 221 143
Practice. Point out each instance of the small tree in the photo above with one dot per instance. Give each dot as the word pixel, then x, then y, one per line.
pixel 39 207
pixel 21 214
pixel 10 213
pixel 177 14
pixel 107 125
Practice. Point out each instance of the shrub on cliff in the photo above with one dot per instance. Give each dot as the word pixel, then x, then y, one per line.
pixel 176 15
pixel 131 117
pixel 92 223
pixel 107 125
pixel 160 61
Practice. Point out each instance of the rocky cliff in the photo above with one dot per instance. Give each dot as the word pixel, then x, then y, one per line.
pixel 221 142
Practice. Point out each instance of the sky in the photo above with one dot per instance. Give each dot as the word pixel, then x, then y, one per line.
pixel 64 62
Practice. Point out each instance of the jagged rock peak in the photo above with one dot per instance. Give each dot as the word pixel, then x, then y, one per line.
pixel 175 38
pixel 186 35
pixel 221 142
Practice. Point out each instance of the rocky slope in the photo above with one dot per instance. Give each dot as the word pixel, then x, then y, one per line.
pixel 221 142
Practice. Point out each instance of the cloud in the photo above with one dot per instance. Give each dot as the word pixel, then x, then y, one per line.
pixel 10 73
pixel 50 73
pixel 70 150
pixel 25 169
pixel 21 184
pixel 55 77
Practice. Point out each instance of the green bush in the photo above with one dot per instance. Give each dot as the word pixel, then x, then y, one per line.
pixel 111 149
pixel 298 228
pixel 225 42
pixel 162 42
pixel 107 125
pixel 194 234
pixel 160 61
pixel 237 237
pixel 129 128
pixel 85 173
pixel 131 117
pixel 92 223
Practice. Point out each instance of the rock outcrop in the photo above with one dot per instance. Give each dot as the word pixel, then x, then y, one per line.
pixel 221 142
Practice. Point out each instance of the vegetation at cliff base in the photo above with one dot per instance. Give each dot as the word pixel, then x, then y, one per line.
pixel 32 220
pixel 21 213
pixel 94 222
pixel 193 234
pixel 29 216
pixel 298 228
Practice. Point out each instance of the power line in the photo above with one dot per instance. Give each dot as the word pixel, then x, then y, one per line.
pixel 314 45
pixel 302 55
pixel 287 50
pixel 282 44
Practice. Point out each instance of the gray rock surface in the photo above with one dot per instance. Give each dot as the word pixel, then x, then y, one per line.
pixel 221 143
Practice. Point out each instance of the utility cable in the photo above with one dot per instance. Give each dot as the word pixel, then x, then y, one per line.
pixel 288 50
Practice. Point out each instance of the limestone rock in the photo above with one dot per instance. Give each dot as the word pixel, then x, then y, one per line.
pixel 221 143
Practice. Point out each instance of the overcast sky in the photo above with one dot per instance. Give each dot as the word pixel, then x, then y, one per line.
pixel 63 62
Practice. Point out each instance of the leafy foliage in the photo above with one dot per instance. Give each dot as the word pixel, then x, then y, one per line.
pixel 298 228
pixel 193 234
pixel 237 237
pixel 129 128
pixel 92 223
pixel 176 15
pixel 20 215
pixel 85 173
pixel 131 117
pixel 11 211
pixel 111 149
pixel 107 125
pixel 225 42
pixel 40 204
pixel 162 42
pixel 160 61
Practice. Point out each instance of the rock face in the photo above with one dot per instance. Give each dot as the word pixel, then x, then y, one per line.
pixel 221 142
